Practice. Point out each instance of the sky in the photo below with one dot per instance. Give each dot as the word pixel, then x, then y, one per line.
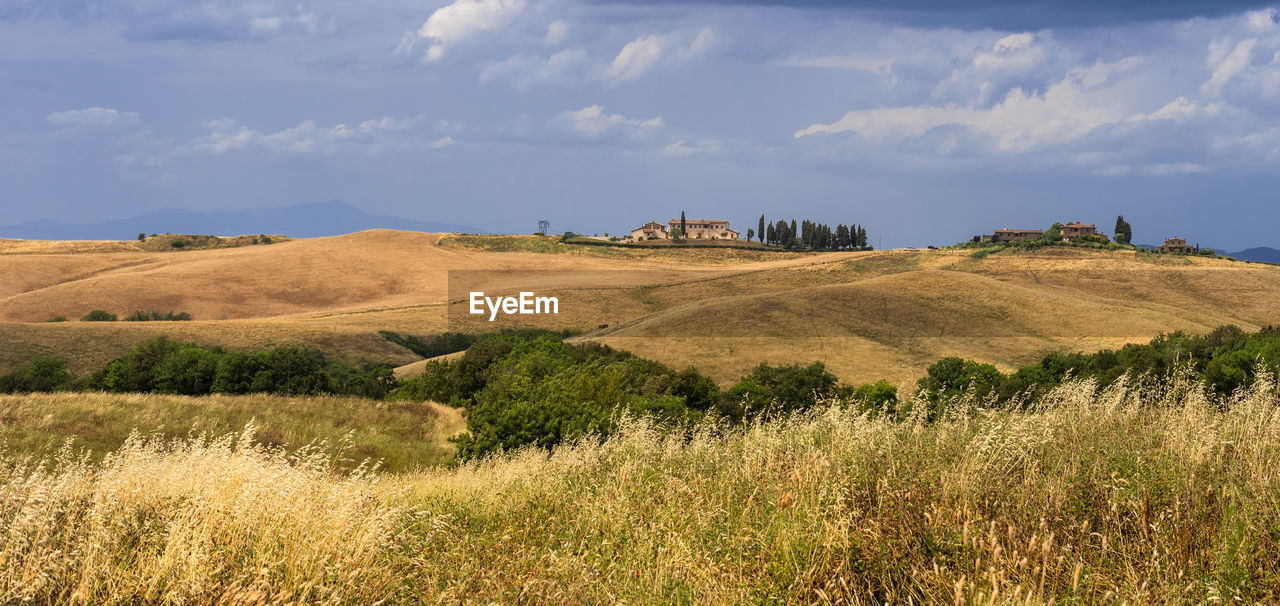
pixel 928 121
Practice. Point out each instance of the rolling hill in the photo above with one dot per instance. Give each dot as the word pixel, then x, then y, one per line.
pixel 868 315
pixel 299 220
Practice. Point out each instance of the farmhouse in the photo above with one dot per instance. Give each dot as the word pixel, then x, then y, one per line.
pixel 1175 245
pixel 1012 235
pixel 704 229
pixel 650 231
pixel 1077 229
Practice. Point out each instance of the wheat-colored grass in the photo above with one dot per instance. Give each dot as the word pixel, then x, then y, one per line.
pixel 402 435
pixel 1145 492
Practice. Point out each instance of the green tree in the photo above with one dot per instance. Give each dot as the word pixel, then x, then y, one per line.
pixel 1053 234
pixel 684 229
pixel 760 227
pixel 1124 231
pixel 41 374
pixel 883 395
pixel 751 233
pixel 780 390
pixel 99 315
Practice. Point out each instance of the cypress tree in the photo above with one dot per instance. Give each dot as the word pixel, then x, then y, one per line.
pixel 760 227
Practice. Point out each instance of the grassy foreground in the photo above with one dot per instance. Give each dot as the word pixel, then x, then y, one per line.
pixel 1136 493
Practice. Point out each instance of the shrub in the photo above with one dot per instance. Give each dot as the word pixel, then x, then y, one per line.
pixel 58 319
pixel 99 315
pixel 165 366
pixel 781 390
pixel 883 395
pixel 41 374
pixel 141 316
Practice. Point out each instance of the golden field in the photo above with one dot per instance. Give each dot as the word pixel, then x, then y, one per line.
pixel 867 315
pixel 1140 493
pixel 398 435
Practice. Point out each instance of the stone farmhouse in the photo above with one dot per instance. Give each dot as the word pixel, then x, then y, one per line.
pixel 698 229
pixel 1176 245
pixel 1070 231
pixel 703 229
pixel 1077 229
pixel 1012 235
pixel 650 231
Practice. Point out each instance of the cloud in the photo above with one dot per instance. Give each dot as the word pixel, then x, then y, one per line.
pixel 641 55
pixel 235 20
pixel 687 147
pixel 308 137
pixel 557 32
pixel 453 24
pixel 638 57
pixel 1228 67
pixel 524 71
pixel 93 116
pixel 1022 121
pixel 593 123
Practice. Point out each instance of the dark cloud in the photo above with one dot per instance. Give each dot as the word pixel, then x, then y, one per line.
pixel 979 14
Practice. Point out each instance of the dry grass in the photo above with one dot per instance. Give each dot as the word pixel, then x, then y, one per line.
pixel 402 435
pixel 205 521
pixel 1141 493
pixel 869 315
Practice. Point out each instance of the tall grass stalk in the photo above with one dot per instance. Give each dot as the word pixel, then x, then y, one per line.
pixel 1147 491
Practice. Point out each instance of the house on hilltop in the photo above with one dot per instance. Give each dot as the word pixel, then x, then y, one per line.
pixel 1013 235
pixel 650 231
pixel 1176 245
pixel 704 229
pixel 1077 229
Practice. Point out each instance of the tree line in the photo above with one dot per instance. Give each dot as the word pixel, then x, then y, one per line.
pixel 810 234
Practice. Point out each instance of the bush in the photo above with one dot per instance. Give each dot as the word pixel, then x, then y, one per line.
pixel 141 316
pixel 58 319
pixel 527 387
pixel 781 390
pixel 431 347
pixel 41 374
pixel 883 395
pixel 178 243
pixel 165 366
pixel 99 315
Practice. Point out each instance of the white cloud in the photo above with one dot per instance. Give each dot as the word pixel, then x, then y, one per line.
pixel 523 71
pixel 557 32
pixel 309 137
pixel 687 147
pixel 641 55
pixel 1231 65
pixel 301 20
pixel 455 23
pixel 593 123
pixel 1022 121
pixel 1262 21
pixel 93 116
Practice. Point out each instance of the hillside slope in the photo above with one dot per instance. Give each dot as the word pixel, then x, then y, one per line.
pixel 868 315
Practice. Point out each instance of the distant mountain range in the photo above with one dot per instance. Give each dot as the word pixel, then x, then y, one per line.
pixel 297 221
pixel 1260 254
